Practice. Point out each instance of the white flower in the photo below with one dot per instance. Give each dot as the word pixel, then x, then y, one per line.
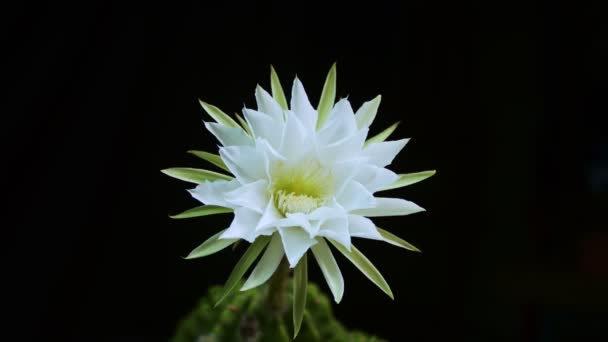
pixel 302 176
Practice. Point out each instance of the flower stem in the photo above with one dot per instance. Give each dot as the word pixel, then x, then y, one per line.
pixel 276 298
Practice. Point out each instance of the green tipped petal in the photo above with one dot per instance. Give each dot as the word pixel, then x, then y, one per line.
pixel 329 268
pixel 202 210
pixel 396 241
pixel 210 157
pixel 243 265
pixel 277 89
pixel 196 176
pixel 267 265
pixel 365 266
pixel 380 137
pixel 367 113
pixel 328 96
pixel 409 179
pixel 300 281
pixel 218 115
pixel 212 245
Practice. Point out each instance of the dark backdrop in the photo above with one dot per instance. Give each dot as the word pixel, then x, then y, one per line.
pixel 505 100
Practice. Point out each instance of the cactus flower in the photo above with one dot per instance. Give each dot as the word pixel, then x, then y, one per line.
pixel 298 179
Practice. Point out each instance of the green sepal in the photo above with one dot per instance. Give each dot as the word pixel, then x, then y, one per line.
pixel 365 266
pixel 243 265
pixel 380 137
pixel 210 157
pixel 406 179
pixel 267 265
pixel 196 176
pixel 218 115
pixel 328 97
pixel 212 245
pixel 300 282
pixel 397 241
pixel 202 210
pixel 277 89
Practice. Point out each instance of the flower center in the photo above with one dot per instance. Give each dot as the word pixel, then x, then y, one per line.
pixel 300 189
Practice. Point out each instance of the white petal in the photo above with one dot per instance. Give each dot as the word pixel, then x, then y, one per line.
pixel 345 149
pixel 252 195
pixel 296 220
pixel 390 207
pixel 267 104
pixel 247 163
pixel 382 154
pixel 264 126
pixel 344 171
pixel 337 230
pixel 301 106
pixel 355 196
pixel 243 225
pixel 375 178
pixel 269 218
pixel 363 227
pixel 229 136
pixel 341 124
pixel 294 133
pixel 295 243
pixel 212 193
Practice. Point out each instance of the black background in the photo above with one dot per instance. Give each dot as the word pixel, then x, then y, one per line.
pixel 505 100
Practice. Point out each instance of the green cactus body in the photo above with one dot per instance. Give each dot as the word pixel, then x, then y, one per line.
pixel 246 317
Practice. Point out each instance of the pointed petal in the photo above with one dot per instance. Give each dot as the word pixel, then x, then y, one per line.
pixel 365 266
pixel 345 149
pixel 269 218
pixel 252 195
pixel 212 193
pixel 243 265
pixel 277 89
pixel 390 207
pixel 212 245
pixel 296 220
pixel 268 105
pixel 337 230
pixel 382 154
pixel 243 225
pixel 340 124
pixel 264 126
pixel 367 113
pixel 229 136
pixel 355 196
pixel 359 226
pixel 329 268
pixel 328 96
pixel 408 179
pixel 295 243
pixel 267 265
pixel 294 133
pixel 247 163
pixel 375 178
pixel 301 106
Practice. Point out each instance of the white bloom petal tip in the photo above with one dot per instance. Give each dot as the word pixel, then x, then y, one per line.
pixel 296 175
